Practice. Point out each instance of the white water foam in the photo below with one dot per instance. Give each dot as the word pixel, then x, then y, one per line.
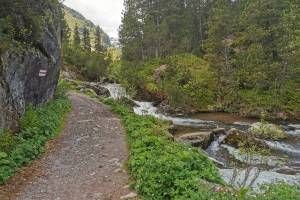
pixel 294 133
pixel 116 90
pixel 147 108
pixel 215 145
pixel 271 161
pixel 283 147
pixel 264 177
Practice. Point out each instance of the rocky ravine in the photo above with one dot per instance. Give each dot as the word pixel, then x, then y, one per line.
pixel 21 62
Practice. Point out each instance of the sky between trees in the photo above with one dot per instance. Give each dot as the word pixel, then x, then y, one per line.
pixel 106 13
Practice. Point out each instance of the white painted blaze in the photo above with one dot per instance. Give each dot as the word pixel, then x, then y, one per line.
pixel 42 73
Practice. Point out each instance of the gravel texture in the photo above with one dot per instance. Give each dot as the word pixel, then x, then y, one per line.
pixel 87 162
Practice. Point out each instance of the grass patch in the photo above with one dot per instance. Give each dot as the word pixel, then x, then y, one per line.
pixel 39 125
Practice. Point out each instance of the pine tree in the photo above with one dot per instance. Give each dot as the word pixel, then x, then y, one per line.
pixel 263 41
pixel 86 39
pixel 219 49
pixel 98 41
pixel 197 13
pixel 131 37
pixel 66 32
pixel 76 37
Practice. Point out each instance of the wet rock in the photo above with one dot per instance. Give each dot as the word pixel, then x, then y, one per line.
pixel 216 162
pixel 98 89
pixel 80 87
pixel 268 131
pixel 239 139
pixel 198 139
pixel 101 91
pixel 219 131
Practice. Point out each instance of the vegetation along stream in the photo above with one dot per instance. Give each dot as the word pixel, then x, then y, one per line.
pixel 238 167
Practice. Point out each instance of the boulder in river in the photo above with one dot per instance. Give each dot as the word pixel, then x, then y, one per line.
pixel 198 139
pixel 239 139
pixel 268 131
pixel 99 89
pixel 219 131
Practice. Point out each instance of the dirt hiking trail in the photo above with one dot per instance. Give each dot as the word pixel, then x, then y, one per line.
pixel 85 163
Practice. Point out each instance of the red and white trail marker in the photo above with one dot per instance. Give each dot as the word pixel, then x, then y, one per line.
pixel 42 73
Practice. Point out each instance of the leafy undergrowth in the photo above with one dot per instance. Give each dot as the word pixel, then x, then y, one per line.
pixel 39 125
pixel 163 169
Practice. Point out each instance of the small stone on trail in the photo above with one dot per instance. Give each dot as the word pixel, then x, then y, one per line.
pixel 118 170
pixel 126 187
pixel 88 120
pixel 93 174
pixel 129 196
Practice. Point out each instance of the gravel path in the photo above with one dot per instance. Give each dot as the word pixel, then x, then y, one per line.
pixel 85 163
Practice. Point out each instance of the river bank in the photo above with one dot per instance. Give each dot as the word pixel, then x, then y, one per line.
pixel 283 158
pixel 286 151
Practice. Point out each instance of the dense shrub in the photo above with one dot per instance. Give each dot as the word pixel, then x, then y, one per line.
pixel 91 65
pixel 184 81
pixel 163 169
pixel 7 141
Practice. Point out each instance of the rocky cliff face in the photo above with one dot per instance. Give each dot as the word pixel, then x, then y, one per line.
pixel 21 80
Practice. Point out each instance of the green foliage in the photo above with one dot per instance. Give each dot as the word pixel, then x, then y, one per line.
pixel 115 70
pixel 79 57
pixel 91 65
pixel 86 39
pixel 7 141
pixel 38 126
pixel 76 37
pixel 252 50
pixel 160 28
pixel 279 191
pixel 185 80
pixel 268 131
pixel 28 18
pixel 98 41
pixel 6 33
pixel 162 169
pixel 30 118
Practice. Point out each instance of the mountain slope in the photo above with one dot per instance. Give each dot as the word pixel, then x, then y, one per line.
pixel 73 17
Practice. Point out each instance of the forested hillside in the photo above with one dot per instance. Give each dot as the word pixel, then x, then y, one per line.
pixel 74 18
pixel 85 47
pixel 250 49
